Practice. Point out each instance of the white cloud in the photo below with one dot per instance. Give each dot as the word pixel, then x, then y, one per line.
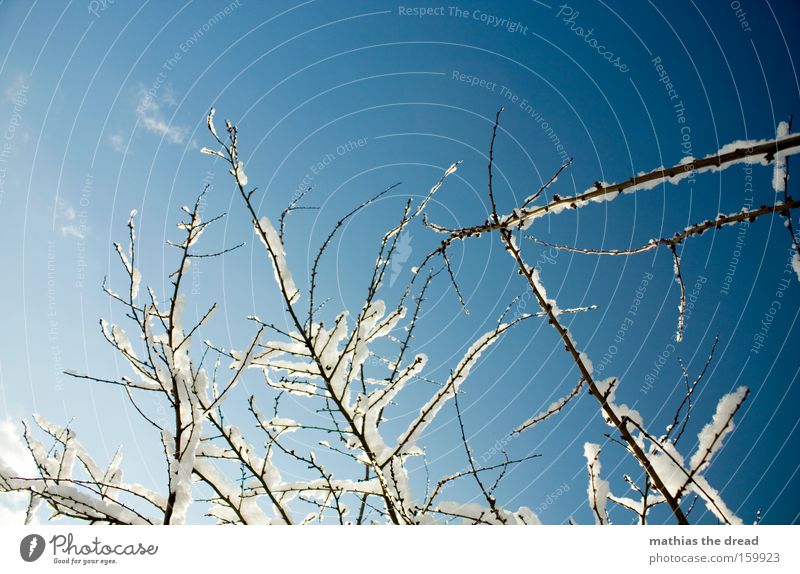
pixel 64 210
pixel 117 141
pixel 168 96
pixel 73 231
pixel 14 453
pixel 152 117
pixel 71 226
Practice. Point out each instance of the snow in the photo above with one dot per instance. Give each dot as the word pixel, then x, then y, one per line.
pixel 525 218
pixel 58 463
pixel 181 467
pixel 718 506
pixel 297 388
pixel 121 337
pixel 372 486
pixel 552 408
pixel 278 256
pixel 246 506
pixel 210 122
pixel 239 174
pixel 605 385
pixel 779 172
pixel 283 425
pixel 431 409
pixel 267 473
pixel 326 347
pixel 712 435
pixel 598 489
pixel 668 464
pixel 190 392
pixel 609 389
pixel 587 362
pixel 525 515
pixel 15 460
pixel 472 512
pixel 209 151
pixel 543 292
pixel 422 204
pixel 136 279
pixel 451 170
pixel 379 400
pixel 537 281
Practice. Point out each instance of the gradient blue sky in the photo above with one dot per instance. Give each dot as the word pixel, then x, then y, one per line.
pixel 84 146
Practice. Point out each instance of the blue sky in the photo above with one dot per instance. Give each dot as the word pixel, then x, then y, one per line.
pixel 102 110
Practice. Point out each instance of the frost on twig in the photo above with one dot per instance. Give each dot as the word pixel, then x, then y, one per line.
pixel 598 488
pixel 628 422
pixel 71 483
pixel 321 442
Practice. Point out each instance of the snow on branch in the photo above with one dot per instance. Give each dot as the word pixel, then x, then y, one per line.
pixel 664 467
pixel 333 363
pixel 598 489
pixel 345 376
pixel 711 437
pixel 761 152
pixel 74 486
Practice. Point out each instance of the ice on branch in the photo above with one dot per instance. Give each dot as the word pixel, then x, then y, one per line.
pixel 474 513
pixel 238 173
pixel 598 490
pixel 346 374
pixel 739 152
pixel 428 412
pixel 779 172
pixel 72 483
pixel 713 434
pixel 796 264
pixel 272 241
